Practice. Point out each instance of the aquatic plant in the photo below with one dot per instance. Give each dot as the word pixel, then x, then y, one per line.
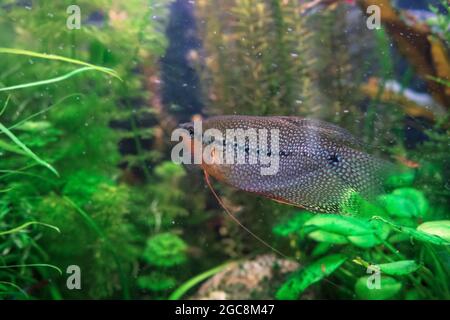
pixel 163 251
pixel 22 194
pixel 391 240
pixel 85 177
pixel 241 65
pixel 75 135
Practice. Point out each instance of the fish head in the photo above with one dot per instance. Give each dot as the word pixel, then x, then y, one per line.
pixel 189 126
pixel 188 141
pixel 199 145
pixel 189 138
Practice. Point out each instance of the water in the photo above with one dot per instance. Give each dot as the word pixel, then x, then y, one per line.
pixel 91 94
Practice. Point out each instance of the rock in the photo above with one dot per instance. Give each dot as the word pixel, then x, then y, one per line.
pixel 258 278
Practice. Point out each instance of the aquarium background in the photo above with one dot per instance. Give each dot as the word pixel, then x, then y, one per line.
pixel 92 207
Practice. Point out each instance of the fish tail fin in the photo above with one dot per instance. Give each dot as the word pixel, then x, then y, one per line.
pixel 366 175
pixel 208 182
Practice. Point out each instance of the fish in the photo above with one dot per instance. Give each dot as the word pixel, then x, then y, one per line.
pixel 322 167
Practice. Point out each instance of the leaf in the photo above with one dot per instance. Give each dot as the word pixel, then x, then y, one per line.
pixel 305 277
pixel 27 151
pixel 399 268
pixel 389 288
pixel 47 81
pixel 365 241
pixel 416 197
pixel 15 286
pixel 370 240
pixel 416 234
pixel 34 126
pixel 439 80
pixel 58 58
pixel 398 207
pixel 321 249
pixel 185 287
pixel 405 202
pixel 440 228
pixel 26 265
pixel 6 146
pixel 324 236
pixel 401 179
pixel 23 226
pixel 293 224
pixel 422 236
pixel 346 226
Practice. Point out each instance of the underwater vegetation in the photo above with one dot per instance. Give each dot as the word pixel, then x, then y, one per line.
pixel 86 177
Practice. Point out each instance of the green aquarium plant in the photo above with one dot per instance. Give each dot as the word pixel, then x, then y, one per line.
pixel 86 177
pixel 407 256
pixel 20 196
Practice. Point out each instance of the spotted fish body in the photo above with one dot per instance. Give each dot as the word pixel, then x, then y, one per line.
pixel 321 166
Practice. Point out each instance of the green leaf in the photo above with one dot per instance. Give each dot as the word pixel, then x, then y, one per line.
pixel 27 151
pixel 440 228
pixel 416 234
pixel 389 288
pixel 398 207
pixel 422 236
pixel 399 268
pixel 34 126
pixel 47 81
pixel 371 240
pixel 185 287
pixel 415 196
pixel 293 224
pixel 27 265
pixel 365 241
pixel 6 146
pixel 405 202
pixel 346 226
pixel 439 80
pixel 305 277
pixel 25 225
pixel 321 249
pixel 58 58
pixel 401 179
pixel 324 236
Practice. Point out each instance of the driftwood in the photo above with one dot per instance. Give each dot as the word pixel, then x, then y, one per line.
pixel 425 52
pixel 411 108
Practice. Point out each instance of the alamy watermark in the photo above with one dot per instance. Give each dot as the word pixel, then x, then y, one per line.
pixel 74 279
pixel 229 146
pixel 74 19
pixel 374 20
pixel 374 280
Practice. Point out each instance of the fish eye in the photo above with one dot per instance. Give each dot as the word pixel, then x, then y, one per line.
pixel 333 159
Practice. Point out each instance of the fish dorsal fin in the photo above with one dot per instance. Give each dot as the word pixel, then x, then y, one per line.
pixel 327 130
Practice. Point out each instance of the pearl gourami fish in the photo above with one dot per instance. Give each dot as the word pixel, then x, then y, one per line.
pixel 320 166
